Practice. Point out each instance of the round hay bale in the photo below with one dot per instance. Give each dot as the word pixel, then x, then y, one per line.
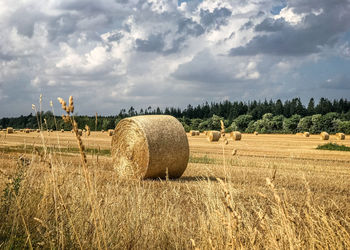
pixel 306 134
pixel 192 132
pixel 340 136
pixel 10 130
pixel 150 146
pixel 21 130
pixel 38 130
pixel 256 133
pixel 213 136
pixel 324 136
pixel 62 130
pixel 110 132
pixel 236 135
pixel 80 132
pixel 27 130
pixel 197 132
pixel 102 131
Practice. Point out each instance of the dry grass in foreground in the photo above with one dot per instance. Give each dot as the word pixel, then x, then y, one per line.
pixel 49 201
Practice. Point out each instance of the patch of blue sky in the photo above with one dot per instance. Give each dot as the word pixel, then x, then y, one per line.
pixel 277 9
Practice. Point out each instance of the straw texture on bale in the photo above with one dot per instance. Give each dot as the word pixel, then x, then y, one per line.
pixel 236 135
pixel 150 146
pixel 213 136
pixel 110 132
pixel 10 130
pixel 306 134
pixel 340 136
pixel 324 136
pixel 256 133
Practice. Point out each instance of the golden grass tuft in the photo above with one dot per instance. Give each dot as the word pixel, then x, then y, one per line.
pixel 151 146
pixel 213 136
pixel 324 136
pixel 236 135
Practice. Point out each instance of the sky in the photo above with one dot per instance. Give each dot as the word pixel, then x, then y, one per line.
pixel 113 54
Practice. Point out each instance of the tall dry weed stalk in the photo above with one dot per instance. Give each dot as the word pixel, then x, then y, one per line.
pixel 97 218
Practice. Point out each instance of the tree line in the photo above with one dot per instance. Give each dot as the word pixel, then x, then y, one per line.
pixel 271 116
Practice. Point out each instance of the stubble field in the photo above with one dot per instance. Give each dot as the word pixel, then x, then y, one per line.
pixel 276 191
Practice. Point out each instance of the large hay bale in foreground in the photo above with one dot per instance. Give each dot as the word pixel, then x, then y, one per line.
pixel 306 134
pixel 10 130
pixel 340 136
pixel 324 136
pixel 150 146
pixel 213 136
pixel 236 135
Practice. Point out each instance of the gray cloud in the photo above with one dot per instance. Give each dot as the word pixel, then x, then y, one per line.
pixel 111 54
pixel 314 32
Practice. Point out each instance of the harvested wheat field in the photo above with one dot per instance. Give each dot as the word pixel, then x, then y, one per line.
pixel 275 192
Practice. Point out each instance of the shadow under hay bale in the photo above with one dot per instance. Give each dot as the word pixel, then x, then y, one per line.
pixel 152 146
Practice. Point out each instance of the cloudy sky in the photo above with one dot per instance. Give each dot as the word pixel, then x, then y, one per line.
pixel 113 54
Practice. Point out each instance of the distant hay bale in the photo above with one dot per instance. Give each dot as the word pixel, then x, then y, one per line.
pixel 38 130
pixel 102 131
pixel 110 132
pixel 205 132
pixel 193 133
pixel 27 130
pixel 236 135
pixel 152 146
pixel 21 130
pixel 80 132
pixel 197 132
pixel 324 136
pixel 51 130
pixel 306 134
pixel 10 130
pixel 62 130
pixel 256 133
pixel 340 136
pixel 213 136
